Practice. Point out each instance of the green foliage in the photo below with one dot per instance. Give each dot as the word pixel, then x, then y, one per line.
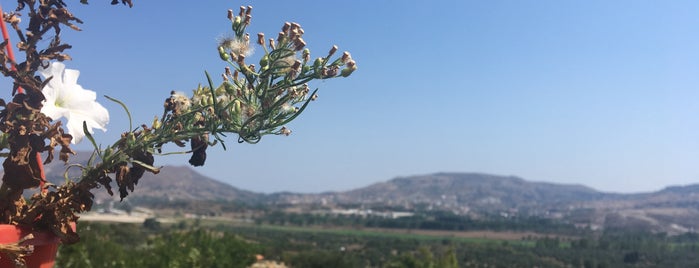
pixel 125 245
pixel 198 248
pixel 322 259
pixel 205 244
pixel 434 220
pixel 424 258
pixel 151 224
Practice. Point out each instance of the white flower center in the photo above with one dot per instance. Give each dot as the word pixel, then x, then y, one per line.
pixel 59 103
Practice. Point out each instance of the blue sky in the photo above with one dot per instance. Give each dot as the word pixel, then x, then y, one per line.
pixel 600 93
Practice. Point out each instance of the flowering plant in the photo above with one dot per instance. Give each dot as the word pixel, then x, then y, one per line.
pixel 251 101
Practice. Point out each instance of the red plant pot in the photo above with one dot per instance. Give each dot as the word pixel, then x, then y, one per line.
pixel 45 246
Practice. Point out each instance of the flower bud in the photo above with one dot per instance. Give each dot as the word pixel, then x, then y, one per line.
pixel 346 57
pixel 230 88
pixel 332 51
pixel 244 69
pixel 261 39
pixel 230 14
pixel 318 62
pixel 222 53
pixel 156 123
pixel 219 91
pixel 330 72
pixel 351 64
pixel 264 61
pixel 306 54
pixel 346 72
pixel 237 107
pixel 296 65
pixel 351 67
pixel 299 44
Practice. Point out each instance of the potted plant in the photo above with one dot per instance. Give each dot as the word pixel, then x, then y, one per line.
pixel 251 100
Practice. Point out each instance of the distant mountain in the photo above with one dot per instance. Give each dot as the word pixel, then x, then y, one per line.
pixel 460 191
pixel 172 183
pixel 477 191
pixel 673 209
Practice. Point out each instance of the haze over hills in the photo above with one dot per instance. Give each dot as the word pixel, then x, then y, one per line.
pixel 673 209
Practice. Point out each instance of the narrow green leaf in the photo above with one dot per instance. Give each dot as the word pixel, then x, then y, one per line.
pixel 65 173
pixel 213 96
pixel 218 138
pixel 91 160
pixel 150 168
pixel 125 109
pixel 299 112
pixel 92 139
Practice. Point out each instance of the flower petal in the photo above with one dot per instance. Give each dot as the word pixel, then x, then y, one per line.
pixel 54 69
pixel 70 77
pixel 96 116
pixel 66 98
pixel 53 111
pixel 75 129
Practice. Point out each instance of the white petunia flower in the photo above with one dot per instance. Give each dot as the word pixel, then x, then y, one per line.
pixel 65 98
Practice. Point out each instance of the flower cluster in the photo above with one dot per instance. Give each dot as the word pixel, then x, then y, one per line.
pixel 259 99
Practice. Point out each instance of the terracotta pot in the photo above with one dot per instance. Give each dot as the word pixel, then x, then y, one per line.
pixel 45 246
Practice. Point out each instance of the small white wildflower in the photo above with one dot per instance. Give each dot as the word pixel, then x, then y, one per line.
pixel 285 131
pixel 236 45
pixel 223 99
pixel 288 108
pixel 181 100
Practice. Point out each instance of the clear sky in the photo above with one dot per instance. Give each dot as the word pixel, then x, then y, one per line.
pixel 600 93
